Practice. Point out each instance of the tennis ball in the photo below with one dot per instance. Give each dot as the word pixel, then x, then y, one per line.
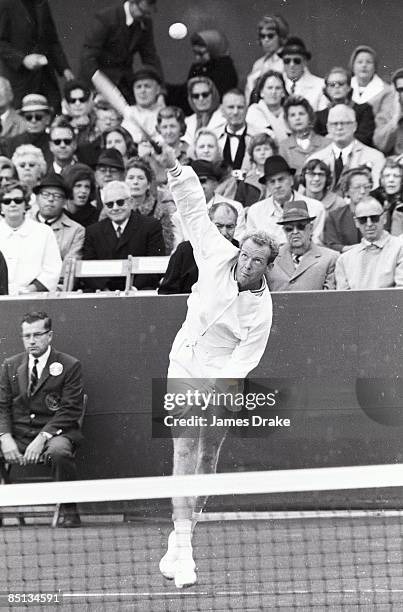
pixel 177 31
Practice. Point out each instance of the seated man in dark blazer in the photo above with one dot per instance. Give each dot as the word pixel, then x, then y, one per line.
pixel 124 232
pixel 301 265
pixel 41 398
pixel 182 271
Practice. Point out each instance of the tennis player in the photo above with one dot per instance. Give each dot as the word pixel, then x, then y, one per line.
pixel 223 338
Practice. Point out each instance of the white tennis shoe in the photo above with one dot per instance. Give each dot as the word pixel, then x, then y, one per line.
pixel 181 570
pixel 167 563
pixel 185 574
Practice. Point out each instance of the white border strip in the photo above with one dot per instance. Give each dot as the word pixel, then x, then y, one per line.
pixel 159 487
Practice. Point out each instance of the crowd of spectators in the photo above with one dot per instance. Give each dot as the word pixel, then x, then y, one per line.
pixel 316 162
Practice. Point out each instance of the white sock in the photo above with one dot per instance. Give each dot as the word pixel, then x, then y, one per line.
pixel 183 537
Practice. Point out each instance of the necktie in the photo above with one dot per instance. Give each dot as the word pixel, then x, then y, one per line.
pixel 118 232
pixel 34 377
pixel 240 153
pixel 294 83
pixel 338 168
pixel 296 259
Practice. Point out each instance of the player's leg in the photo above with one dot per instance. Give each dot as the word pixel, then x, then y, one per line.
pixel 210 443
pixel 178 561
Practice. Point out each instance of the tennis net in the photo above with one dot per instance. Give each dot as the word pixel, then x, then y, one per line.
pixel 255 558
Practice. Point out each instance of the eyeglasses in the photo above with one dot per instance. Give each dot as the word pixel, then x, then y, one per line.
pixel 203 94
pixel 57 197
pixel 8 201
pixel 336 83
pixel 399 89
pixel 34 116
pixel 372 218
pixel 342 123
pixel 79 99
pixel 35 335
pixel 119 203
pixel 269 35
pixel 300 226
pixel 59 141
pixel 292 60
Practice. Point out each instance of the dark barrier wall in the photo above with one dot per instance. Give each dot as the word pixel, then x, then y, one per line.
pixel 330 28
pixel 321 343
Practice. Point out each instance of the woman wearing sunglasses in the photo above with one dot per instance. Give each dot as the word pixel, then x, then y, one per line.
pixel 30 248
pixel 204 100
pixel 272 34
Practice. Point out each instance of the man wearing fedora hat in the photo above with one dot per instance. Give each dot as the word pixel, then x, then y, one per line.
pixel 298 79
pixel 301 265
pixel 279 181
pixel 51 196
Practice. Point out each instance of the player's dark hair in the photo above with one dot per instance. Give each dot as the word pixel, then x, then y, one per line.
pixel 40 315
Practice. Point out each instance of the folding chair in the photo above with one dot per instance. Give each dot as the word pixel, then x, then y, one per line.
pixel 150 264
pixel 5 473
pixel 98 268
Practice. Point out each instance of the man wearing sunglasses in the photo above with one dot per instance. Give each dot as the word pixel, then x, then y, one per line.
pixel 51 196
pixel 377 261
pixel 117 35
pixel 122 233
pixel 301 265
pixel 41 399
pixel 62 145
pixel 299 80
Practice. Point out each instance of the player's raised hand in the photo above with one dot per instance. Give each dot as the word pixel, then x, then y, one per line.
pixel 167 158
